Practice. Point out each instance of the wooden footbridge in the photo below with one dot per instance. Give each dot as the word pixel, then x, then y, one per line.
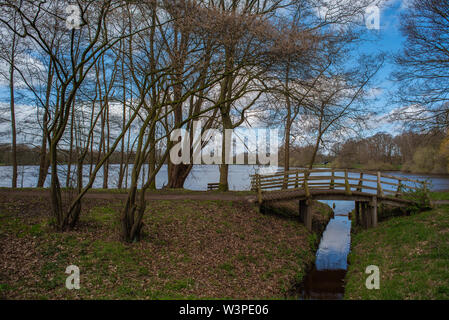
pixel 367 189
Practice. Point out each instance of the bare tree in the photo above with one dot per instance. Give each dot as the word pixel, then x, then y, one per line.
pixel 423 65
pixel 72 63
pixel 9 52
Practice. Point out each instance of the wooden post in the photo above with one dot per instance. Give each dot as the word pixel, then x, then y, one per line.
pixel 297 180
pixel 380 192
pixel 366 218
pixel 285 182
pixel 332 180
pixel 347 187
pixel 426 190
pixel 373 213
pixel 359 188
pixel 306 185
pixel 399 190
pixel 362 216
pixel 302 204
pixel 259 190
pixel 357 213
pixel 305 214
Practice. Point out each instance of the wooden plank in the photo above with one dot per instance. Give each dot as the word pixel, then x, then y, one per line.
pixel 399 189
pixel 332 184
pixel 306 186
pixel 360 184
pixel 305 214
pixel 347 186
pixel 297 180
pixel 336 170
pixel 379 186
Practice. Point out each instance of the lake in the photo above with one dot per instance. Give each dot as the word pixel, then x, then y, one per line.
pixel 198 179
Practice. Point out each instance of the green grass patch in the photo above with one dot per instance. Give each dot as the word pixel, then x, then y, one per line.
pixel 412 254
pixel 439 195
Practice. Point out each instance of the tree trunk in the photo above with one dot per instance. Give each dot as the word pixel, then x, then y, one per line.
pixel 225 150
pixel 178 175
pixel 69 160
pixel 132 214
pixel 152 159
pixel 315 151
pixel 44 161
pixel 55 189
pixel 107 148
pixel 13 115
pixel 288 123
pixel 287 148
pixel 73 215
pixel 286 154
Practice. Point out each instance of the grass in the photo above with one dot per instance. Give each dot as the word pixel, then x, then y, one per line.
pixel 190 250
pixel 412 253
pixel 439 195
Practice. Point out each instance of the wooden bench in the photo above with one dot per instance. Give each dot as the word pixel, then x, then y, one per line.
pixel 212 186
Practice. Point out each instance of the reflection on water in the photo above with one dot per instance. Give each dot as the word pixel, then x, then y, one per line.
pixel 326 280
pixel 334 245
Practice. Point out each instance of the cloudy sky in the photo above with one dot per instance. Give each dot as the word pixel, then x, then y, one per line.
pixel 387 39
pixel 390 40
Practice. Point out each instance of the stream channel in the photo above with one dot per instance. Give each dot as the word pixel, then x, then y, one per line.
pixel 326 279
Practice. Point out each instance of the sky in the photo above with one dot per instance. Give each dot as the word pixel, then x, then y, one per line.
pixel 387 39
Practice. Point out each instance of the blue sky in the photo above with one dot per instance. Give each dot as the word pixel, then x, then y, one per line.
pixel 389 40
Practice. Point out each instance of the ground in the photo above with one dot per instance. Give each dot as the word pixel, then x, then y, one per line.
pixel 412 253
pixel 191 249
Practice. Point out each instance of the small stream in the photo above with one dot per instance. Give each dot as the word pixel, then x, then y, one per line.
pixel 326 279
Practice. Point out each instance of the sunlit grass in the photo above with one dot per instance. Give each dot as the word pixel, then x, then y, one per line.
pixel 412 254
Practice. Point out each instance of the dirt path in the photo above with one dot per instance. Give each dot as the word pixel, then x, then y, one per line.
pixel 159 195
pixel 169 195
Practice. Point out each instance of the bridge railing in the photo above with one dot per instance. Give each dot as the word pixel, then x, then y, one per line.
pixel 377 183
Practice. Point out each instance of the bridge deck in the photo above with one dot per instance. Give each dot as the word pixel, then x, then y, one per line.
pixel 332 194
pixel 334 184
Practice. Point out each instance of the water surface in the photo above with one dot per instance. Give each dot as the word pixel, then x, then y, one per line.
pixel 326 279
pixel 200 176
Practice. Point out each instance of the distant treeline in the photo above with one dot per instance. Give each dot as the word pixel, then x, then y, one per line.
pixel 300 156
pixel 408 152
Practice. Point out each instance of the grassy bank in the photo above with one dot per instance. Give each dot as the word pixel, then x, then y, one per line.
pixel 412 254
pixel 191 249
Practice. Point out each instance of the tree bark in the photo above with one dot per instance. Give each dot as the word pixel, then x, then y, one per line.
pixel 13 114
pixel 44 160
